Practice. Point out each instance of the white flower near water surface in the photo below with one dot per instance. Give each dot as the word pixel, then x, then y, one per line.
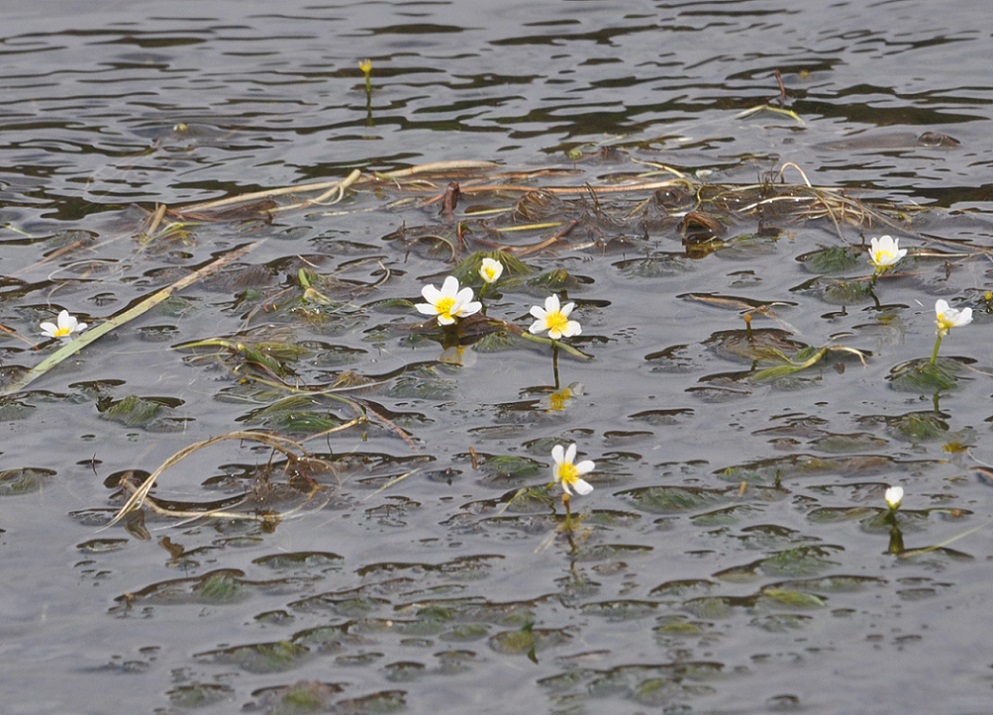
pixel 554 318
pixel 885 252
pixel 448 303
pixel 64 326
pixel 569 474
pixel 490 270
pixel 894 497
pixel 947 318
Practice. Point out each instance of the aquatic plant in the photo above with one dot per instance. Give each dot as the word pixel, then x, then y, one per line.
pixel 64 326
pixel 554 318
pixel 894 497
pixel 947 318
pixel 490 270
pixel 568 474
pixel 448 303
pixel 884 253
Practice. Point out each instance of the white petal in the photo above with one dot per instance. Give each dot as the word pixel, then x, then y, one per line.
pixel 585 467
pixel 66 321
pixel 464 295
pixel 450 287
pixel 582 487
pixel 431 294
pixel 940 306
pixel 552 304
pixel 570 453
pixel 80 327
pixel 470 308
pixel 538 312
pixel 557 453
pixel 426 309
pixel 49 329
pixel 572 328
pixel 567 308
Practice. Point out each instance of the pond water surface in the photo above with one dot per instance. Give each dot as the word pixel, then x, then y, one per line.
pixel 736 554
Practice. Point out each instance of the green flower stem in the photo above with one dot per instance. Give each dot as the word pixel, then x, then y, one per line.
pixel 555 362
pixel 934 353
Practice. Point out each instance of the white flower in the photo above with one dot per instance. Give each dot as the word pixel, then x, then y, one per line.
pixel 893 497
pixel 490 270
pixel 885 252
pixel 448 303
pixel 569 474
pixel 555 319
pixel 948 318
pixel 65 327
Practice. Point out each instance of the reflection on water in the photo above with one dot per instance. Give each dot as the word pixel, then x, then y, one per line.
pixel 751 393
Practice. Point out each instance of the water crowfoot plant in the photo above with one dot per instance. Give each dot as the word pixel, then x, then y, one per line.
pixel 569 476
pixel 449 303
pixel 554 318
pixel 490 271
pixel 884 253
pixel 947 318
pixel 64 326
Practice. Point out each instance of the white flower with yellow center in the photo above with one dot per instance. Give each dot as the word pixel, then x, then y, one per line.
pixel 490 270
pixel 64 326
pixel 885 252
pixel 448 303
pixel 568 474
pixel 554 318
pixel 894 497
pixel 947 318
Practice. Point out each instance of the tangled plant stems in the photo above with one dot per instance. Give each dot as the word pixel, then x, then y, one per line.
pixel 554 318
pixel 64 326
pixel 947 318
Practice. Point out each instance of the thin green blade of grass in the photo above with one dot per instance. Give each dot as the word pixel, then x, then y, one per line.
pixel 135 311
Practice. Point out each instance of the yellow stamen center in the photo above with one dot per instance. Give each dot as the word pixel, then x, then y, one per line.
pixel 62 332
pixel 445 305
pixel 568 473
pixel 556 322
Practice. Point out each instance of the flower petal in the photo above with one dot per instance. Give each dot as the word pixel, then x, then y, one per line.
pixel 582 487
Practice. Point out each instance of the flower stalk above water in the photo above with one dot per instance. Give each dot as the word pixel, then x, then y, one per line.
pixel 64 326
pixel 449 303
pixel 947 318
pixel 554 318
pixel 569 475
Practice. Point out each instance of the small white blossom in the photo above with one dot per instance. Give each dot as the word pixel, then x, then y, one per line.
pixel 885 252
pixel 568 474
pixel 554 318
pixel 947 318
pixel 64 326
pixel 448 303
pixel 490 270
pixel 893 497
